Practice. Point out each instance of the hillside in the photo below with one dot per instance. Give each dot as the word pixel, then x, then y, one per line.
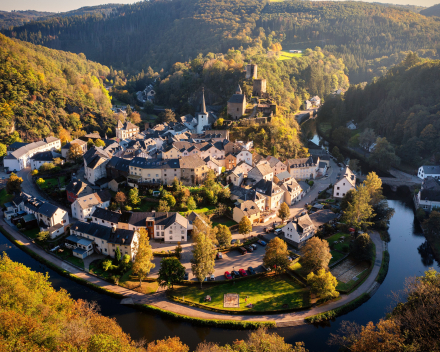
pixel 402 106
pixel 431 11
pixel 18 18
pixel 369 37
pixel 42 90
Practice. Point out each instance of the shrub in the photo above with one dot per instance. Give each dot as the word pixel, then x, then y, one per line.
pixel 106 264
pixel 19 226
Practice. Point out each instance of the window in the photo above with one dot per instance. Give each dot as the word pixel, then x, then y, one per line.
pixel 171 237
pixel 337 187
pixel 337 194
pixel 171 232
pixel 183 237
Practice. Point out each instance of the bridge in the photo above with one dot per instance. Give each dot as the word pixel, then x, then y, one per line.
pixel 400 179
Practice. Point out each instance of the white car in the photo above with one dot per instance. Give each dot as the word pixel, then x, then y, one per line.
pixel 212 278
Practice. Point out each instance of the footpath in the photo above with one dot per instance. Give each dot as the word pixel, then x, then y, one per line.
pixel 160 300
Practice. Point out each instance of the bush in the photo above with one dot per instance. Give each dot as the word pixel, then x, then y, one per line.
pixel 421 214
pixel 19 226
pixel 311 183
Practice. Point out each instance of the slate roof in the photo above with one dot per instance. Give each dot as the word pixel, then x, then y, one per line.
pixel 322 217
pixel 139 219
pixel 119 236
pixel 93 199
pixel 430 189
pixel 43 156
pixel 94 155
pixel 431 169
pixel 25 149
pixel 322 165
pixel 75 141
pixel 76 187
pixel 16 145
pixel 284 175
pixel 107 215
pixel 40 207
pixel 304 186
pixel 191 162
pixel 301 162
pixel 50 139
pixel 236 99
pixel 249 207
pixel 119 164
pixel 268 188
pixel 263 169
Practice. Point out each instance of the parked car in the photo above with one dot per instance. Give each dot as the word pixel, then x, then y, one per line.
pixel 249 249
pixel 233 242
pixel 219 255
pixel 186 277
pixel 228 276
pixel 262 243
pixel 212 278
pixel 266 268
pixel 251 271
pixel 235 273
pixel 254 246
pixel 326 175
pixel 242 272
pixel 278 232
pixel 242 250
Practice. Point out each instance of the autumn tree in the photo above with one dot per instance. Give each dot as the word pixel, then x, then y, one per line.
pixel 191 204
pixel 75 152
pixel 276 255
pixel 244 226
pixel 323 283
pixel 13 185
pixel 170 200
pixel 359 211
pixel 40 182
pixel 144 254
pixel 120 198
pixel 202 224
pixel 203 261
pixel 133 196
pixel 223 235
pixel 43 236
pixel 135 118
pixel 170 344
pixel 432 225
pixel 284 212
pixel 171 272
pixel 167 116
pixel 163 206
pixel 99 143
pixel 315 255
pixel 373 184
pixel 362 248
pixel 90 143
pixel 64 136
pixel 3 150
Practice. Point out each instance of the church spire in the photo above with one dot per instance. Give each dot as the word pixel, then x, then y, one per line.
pixel 203 102
pixel 239 91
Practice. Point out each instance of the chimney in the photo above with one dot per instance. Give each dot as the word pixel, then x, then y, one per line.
pixel 114 228
pixel 123 240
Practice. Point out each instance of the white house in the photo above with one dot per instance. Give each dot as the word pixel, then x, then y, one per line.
pixel 214 165
pixel 95 161
pixel 261 172
pixel 429 194
pixel 299 230
pixel 84 206
pixel 40 158
pixel 351 125
pixel 277 165
pixel 126 130
pixel 429 171
pixel 346 183
pixel 20 158
pixel 246 156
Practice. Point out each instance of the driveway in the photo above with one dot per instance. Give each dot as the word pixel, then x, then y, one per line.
pixel 28 186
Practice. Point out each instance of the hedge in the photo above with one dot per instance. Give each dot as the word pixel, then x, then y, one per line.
pixel 228 324
pixel 57 268
pixel 346 308
pixel 384 267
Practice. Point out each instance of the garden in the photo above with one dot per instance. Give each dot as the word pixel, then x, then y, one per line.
pixel 279 292
pixel 67 255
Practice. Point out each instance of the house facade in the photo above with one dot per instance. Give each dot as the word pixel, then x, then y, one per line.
pixel 95 161
pixel 261 172
pixel 84 206
pixel 277 165
pixel 126 130
pixel 345 184
pixel 429 194
pixel 298 231
pixel 429 171
pixel 302 168
pixel 247 208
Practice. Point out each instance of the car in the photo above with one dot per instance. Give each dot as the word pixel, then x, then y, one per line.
pixel 278 232
pixel 233 242
pixel 262 243
pixel 249 249
pixel 242 250
pixel 266 268
pixel 242 272
pixel 228 275
pixel 235 273
pixel 305 205
pixel 254 246
pixel 326 175
pixel 186 277
pixel 212 277
pixel 219 255
pixel 251 271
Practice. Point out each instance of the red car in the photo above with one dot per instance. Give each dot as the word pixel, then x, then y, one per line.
pixel 228 275
pixel 242 272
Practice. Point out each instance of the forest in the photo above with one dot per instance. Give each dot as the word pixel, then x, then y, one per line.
pixel 401 106
pixel 43 90
pixel 370 38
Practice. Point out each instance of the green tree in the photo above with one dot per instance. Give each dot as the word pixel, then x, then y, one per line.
pixel 244 226
pixel 203 261
pixel 13 185
pixel 3 150
pixel 367 138
pixel 284 212
pixel 133 196
pixel 373 184
pixel 34 172
pixel 40 182
pixel 144 254
pixel 99 143
pixel 276 255
pixel 170 200
pixel 432 225
pixel 191 204
pixel 75 152
pixel 106 264
pixel 167 116
pixel 383 155
pixel 171 272
pixel 323 283
pixel 359 211
pixel 202 224
pixel 43 236
pixel 90 143
pixel 340 135
pixel 178 250
pixel 163 206
pixel 353 164
pixel 223 235
pixel 118 255
pixel 315 255
pixel 46 167
pixel 362 248
pixel 126 259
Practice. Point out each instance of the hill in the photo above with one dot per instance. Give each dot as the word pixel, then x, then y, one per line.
pixel 369 38
pixel 42 90
pixel 402 106
pixel 431 11
pixel 18 18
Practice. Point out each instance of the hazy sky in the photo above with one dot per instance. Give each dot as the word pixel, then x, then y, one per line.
pixel 63 5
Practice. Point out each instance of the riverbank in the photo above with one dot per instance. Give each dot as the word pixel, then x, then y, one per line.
pixel 160 302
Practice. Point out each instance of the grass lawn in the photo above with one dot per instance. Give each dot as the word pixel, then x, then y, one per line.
pixel 67 255
pixel 31 233
pixel 146 206
pixel 227 222
pixel 51 183
pixel 285 55
pixel 128 280
pixel 4 197
pixel 298 269
pixel 95 267
pixel 335 256
pixel 269 295
pixel 336 237
pixel 201 210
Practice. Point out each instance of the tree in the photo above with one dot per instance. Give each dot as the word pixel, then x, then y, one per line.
pixel 219 122
pixel 170 344
pixel 353 164
pixel 284 212
pixel 315 255
pixel 126 259
pixel 373 184
pixel 90 143
pixel 34 172
pixel 163 206
pixel 40 182
pixel 13 184
pixel 203 261
pixel 171 272
pixel 359 211
pixel 202 224
pixel 341 135
pixel 276 255
pixel 167 116
pixel 178 250
pixel 43 236
pixel 367 138
pixel 135 118
pixel 383 155
pixel 106 264
pixel 191 204
pixel 64 136
pixel 128 110
pixel 46 167
pixel 3 150
pixel 118 255
pixel 323 283
pixel 432 225
pixel 99 143
pixel 244 226
pixel 170 200
pixel 142 261
pixel 120 198
pixel 133 196
pixel 75 152
pixel 362 248
pixel 223 235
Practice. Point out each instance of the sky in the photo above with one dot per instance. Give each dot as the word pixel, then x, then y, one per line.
pixel 63 5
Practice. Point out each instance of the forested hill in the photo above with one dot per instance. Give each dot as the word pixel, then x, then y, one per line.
pixel 403 106
pixel 369 37
pixel 18 18
pixel 42 90
pixel 431 11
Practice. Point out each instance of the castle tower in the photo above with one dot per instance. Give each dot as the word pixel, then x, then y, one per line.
pixel 238 90
pixel 202 116
pixel 251 71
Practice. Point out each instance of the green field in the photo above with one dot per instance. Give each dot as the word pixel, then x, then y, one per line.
pixel 336 237
pixel 4 197
pixel 131 282
pixel 266 294
pixel 31 233
pixel 285 55
pixel 51 183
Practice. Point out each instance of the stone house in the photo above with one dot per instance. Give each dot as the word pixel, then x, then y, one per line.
pixel 230 161
pixel 272 193
pixel 126 130
pixel 193 170
pixel 95 162
pixel 302 168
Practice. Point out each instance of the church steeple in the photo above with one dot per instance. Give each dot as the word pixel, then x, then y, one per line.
pixel 203 111
pixel 239 91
